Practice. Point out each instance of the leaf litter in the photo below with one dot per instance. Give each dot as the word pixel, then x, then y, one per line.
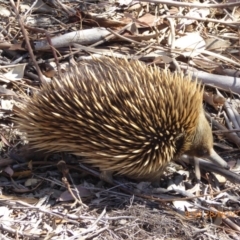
pixel 53 196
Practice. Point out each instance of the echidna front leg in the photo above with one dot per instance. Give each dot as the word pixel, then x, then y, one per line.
pixel 157 182
pixel 156 178
pixel 107 176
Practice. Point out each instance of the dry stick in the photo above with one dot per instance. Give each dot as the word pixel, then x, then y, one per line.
pixel 129 191
pixel 230 84
pixel 172 44
pixel 39 30
pixel 5 228
pixel 197 5
pixel 202 51
pixel 53 51
pixel 229 175
pixel 197 169
pixel 17 4
pixel 237 115
pixel 233 24
pixel 125 38
pixel 65 171
pixel 94 225
pixel 29 48
pixel 226 131
pixel 84 47
pixel 56 58
pixel 229 109
pixel 41 209
pixel 111 35
pixel 224 10
pixel 230 136
pixel 31 8
pixel 213 212
pixel 224 216
pixel 78 46
pixel 210 167
pixel 77 200
pixel 231 224
pixel 161 200
pixel 114 34
pixel 96 233
pixel 227 122
pixel 66 8
pixel 6 33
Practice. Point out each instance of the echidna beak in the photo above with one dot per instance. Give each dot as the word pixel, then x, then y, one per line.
pixel 215 158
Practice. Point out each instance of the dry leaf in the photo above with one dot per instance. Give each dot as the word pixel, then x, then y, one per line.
pixel 16 72
pixel 213 99
pixel 31 182
pixel 82 191
pixel 4 12
pixel 148 20
pixel 22 174
pixel 217 45
pixel 195 13
pixel 183 206
pixel 189 43
pixel 9 171
pixel 123 2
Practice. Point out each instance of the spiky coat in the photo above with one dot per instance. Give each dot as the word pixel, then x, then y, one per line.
pixel 120 116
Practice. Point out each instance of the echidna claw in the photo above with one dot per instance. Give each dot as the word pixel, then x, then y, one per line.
pixel 107 176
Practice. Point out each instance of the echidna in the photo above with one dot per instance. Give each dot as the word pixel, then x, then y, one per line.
pixel 121 116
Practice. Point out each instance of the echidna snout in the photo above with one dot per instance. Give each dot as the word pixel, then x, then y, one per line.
pixel 202 140
pixel 202 143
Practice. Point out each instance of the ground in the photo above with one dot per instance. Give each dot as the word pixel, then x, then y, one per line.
pixel 52 196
